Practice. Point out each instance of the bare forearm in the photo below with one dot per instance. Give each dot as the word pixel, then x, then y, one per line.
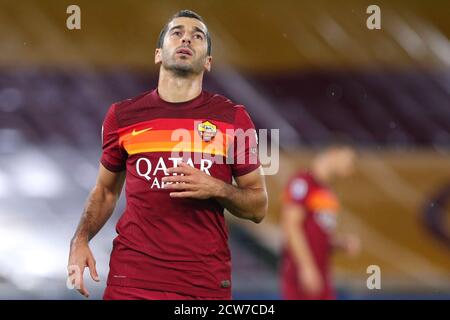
pixel 99 208
pixel 245 203
pixel 299 247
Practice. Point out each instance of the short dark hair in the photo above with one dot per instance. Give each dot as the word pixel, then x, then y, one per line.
pixel 183 14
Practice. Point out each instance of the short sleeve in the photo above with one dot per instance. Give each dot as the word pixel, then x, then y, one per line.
pixel 245 144
pixel 113 156
pixel 296 190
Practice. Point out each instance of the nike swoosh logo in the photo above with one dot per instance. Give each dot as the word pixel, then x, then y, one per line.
pixel 135 133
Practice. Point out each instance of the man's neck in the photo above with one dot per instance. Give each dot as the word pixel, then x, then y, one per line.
pixel 172 88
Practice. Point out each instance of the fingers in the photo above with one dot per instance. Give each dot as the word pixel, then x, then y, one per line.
pixel 185 179
pixel 186 182
pixel 176 170
pixel 80 258
pixel 183 194
pixel 75 279
pixel 179 170
pixel 180 187
pixel 184 165
pixel 182 168
pixel 84 291
pixel 79 283
pixel 93 270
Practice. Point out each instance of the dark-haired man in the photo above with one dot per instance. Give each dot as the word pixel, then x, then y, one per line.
pixel 170 144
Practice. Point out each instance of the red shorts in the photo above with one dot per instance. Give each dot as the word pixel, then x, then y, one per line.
pixel 291 288
pixel 129 293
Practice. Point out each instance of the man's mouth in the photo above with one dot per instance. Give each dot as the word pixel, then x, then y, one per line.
pixel 185 51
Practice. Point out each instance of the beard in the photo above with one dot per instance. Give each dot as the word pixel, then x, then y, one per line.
pixel 182 68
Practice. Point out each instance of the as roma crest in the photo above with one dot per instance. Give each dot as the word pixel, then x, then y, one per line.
pixel 207 130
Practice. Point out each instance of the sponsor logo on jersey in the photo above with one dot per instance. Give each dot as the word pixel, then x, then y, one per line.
pixel 136 132
pixel 152 171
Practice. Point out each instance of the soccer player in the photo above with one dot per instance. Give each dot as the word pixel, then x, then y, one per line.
pixel 172 240
pixel 308 222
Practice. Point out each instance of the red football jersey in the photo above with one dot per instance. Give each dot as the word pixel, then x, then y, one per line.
pixel 172 244
pixel 320 206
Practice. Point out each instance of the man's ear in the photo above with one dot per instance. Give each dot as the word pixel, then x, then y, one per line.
pixel 158 58
pixel 208 63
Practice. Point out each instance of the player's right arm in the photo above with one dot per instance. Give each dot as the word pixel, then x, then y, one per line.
pixel 309 277
pixel 98 209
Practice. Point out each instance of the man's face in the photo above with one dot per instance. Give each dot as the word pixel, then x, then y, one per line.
pixel 344 161
pixel 184 48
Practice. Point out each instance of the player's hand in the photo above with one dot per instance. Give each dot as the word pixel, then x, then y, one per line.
pixel 310 280
pixel 352 245
pixel 81 257
pixel 190 182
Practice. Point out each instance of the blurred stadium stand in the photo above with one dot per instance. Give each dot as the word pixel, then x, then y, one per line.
pixel 311 69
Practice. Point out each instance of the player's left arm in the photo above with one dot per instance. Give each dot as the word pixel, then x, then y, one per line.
pixel 247 200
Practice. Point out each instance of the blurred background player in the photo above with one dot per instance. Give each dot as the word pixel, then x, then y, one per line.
pixel 308 221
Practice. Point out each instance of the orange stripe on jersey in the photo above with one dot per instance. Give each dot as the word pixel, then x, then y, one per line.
pixel 163 135
pixel 322 200
pixel 166 135
pixel 149 135
pixel 219 146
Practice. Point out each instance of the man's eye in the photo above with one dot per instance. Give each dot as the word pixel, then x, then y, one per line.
pixel 177 33
pixel 199 36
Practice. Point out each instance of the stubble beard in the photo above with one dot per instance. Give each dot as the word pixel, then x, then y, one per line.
pixel 182 70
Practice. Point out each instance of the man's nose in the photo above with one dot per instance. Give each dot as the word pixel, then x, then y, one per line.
pixel 186 39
